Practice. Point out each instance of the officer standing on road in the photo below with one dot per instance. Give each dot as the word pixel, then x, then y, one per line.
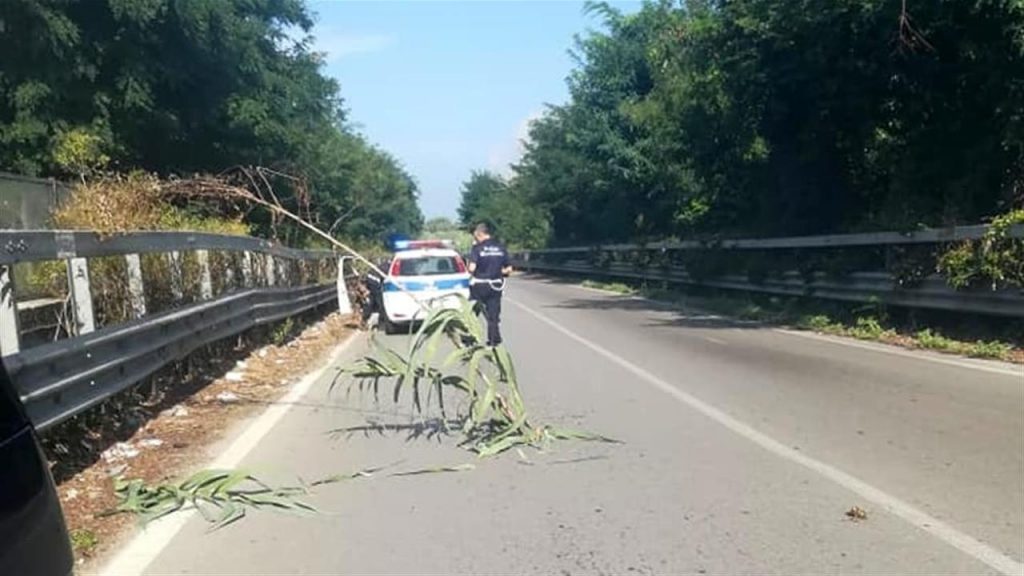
pixel 373 300
pixel 489 265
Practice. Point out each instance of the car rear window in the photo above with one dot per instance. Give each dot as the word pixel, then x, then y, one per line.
pixel 428 266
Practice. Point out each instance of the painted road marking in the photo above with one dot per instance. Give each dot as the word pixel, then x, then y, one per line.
pixel 922 520
pixel 990 366
pixel 1019 372
pixel 140 552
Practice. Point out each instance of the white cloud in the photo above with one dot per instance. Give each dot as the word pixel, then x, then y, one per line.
pixel 501 158
pixel 336 44
pixel 339 45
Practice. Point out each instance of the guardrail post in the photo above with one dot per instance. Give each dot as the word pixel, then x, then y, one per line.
pixel 269 261
pixel 10 341
pixel 81 297
pixel 344 304
pixel 229 275
pixel 247 269
pixel 176 285
pixel 205 281
pixel 136 290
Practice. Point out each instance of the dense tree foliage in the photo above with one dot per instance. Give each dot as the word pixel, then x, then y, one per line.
pixel 445 229
pixel 773 117
pixel 184 86
pixel 487 197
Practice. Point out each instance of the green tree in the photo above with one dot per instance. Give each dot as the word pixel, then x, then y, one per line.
pixel 773 117
pixel 189 86
pixel 486 197
pixel 476 193
pixel 439 224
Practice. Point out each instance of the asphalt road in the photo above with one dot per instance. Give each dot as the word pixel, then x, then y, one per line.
pixel 743 448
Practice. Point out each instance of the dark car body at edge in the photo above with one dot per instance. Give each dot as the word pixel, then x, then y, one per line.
pixel 33 537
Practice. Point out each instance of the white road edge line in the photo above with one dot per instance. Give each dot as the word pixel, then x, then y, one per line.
pixel 837 340
pixel 937 528
pixel 140 552
pixel 886 349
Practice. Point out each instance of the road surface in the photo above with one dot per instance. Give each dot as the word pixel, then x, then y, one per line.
pixel 743 448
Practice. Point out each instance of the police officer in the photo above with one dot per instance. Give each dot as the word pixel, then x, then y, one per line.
pixel 373 304
pixel 489 265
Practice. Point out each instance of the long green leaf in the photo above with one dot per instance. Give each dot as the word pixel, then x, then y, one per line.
pixel 570 434
pixel 482 408
pixel 232 481
pixel 436 470
pixel 230 513
pixel 496 447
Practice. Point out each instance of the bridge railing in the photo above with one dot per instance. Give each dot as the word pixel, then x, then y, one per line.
pixel 884 267
pixel 181 291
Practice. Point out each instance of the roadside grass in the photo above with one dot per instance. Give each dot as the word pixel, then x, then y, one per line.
pixel 83 541
pixel 979 349
pixel 617 287
pixel 870 322
pixel 283 332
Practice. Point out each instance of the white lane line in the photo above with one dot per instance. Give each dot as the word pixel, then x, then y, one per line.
pixel 144 548
pixel 886 349
pixel 838 341
pixel 715 340
pixel 959 540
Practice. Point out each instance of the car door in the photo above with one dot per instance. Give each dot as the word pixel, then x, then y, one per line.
pixel 33 537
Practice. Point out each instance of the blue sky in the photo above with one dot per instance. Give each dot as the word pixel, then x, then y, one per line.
pixel 449 87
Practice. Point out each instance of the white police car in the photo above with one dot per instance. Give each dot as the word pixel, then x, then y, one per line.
pixel 431 273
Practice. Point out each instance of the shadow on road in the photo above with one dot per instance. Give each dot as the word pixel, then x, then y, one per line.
pixel 682 318
pixel 428 429
pixel 685 314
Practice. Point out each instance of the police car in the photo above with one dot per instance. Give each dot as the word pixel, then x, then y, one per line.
pixel 422 273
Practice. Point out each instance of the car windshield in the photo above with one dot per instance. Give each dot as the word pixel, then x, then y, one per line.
pixel 427 266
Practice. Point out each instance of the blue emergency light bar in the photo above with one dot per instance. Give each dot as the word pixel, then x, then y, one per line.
pixel 420 244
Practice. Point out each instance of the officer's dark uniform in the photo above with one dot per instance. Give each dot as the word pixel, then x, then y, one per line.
pixel 374 298
pixel 490 257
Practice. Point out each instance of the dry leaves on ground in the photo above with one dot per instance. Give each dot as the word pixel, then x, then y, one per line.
pixel 176 439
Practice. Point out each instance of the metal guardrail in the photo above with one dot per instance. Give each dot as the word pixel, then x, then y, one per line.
pixel 36 245
pixel 60 379
pixel 931 292
pixel 63 378
pixel 927 236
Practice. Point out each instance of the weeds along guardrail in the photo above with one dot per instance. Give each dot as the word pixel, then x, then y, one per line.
pixel 136 302
pixel 892 268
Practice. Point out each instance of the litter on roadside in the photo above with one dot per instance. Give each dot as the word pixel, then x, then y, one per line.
pixel 227 397
pixel 120 451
